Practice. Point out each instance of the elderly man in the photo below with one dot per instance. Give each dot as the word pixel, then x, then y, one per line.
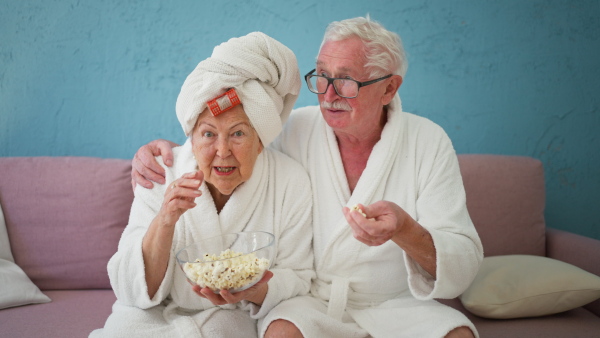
pixel 391 228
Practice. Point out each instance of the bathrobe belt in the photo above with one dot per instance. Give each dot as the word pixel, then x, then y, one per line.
pixel 339 294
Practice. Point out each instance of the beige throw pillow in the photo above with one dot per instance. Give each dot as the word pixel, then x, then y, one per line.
pixel 15 287
pixel 515 286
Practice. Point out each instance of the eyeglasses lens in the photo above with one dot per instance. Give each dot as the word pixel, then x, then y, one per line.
pixel 346 88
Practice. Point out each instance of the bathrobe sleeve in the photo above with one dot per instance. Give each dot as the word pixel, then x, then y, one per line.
pixel 294 267
pixel 126 267
pixel 441 209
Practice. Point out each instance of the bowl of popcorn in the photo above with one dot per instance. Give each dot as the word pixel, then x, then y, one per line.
pixel 233 262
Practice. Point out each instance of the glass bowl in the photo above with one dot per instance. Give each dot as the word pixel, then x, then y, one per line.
pixel 233 262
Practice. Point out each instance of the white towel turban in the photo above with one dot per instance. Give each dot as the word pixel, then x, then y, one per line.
pixel 264 74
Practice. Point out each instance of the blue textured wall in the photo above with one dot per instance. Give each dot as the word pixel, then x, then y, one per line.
pixel 100 78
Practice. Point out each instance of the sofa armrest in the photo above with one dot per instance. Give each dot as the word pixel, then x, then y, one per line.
pixel 581 251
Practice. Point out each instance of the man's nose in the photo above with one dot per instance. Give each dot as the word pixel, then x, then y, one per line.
pixel 330 94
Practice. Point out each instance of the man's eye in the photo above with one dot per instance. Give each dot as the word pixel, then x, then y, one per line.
pixel 238 133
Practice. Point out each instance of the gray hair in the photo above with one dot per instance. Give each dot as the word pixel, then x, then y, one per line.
pixel 383 48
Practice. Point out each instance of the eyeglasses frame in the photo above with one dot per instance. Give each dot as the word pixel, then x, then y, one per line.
pixel 331 79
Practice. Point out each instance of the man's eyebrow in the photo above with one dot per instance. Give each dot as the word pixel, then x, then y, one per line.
pixel 345 70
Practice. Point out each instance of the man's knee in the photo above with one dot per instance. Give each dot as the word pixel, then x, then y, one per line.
pixel 282 328
pixel 461 332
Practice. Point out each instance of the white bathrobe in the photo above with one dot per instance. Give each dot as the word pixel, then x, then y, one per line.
pixel 275 199
pixel 380 291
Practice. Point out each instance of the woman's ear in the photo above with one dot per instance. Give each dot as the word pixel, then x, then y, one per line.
pixel 391 89
pixel 260 146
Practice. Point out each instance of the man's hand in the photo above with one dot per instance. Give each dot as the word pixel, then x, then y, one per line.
pixel 383 220
pixel 255 294
pixel 388 221
pixel 144 167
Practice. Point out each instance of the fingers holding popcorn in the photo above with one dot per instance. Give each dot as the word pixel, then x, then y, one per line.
pixel 180 196
pixel 191 180
pixel 374 224
pixel 357 208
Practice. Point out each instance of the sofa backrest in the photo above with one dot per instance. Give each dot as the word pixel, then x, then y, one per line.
pixel 506 200
pixel 64 217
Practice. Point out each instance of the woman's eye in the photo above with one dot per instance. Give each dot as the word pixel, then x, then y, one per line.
pixel 208 134
pixel 238 133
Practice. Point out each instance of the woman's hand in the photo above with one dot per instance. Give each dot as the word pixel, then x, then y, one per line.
pixel 179 197
pixel 156 245
pixel 255 294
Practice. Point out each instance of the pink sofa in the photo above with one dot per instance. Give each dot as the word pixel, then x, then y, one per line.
pixel 64 217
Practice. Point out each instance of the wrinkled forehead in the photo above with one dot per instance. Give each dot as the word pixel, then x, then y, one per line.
pixel 230 117
pixel 346 55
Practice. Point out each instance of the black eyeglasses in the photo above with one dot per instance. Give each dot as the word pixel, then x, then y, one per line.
pixel 346 88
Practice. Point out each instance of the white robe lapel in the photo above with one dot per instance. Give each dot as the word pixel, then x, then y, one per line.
pixel 342 251
pixel 246 198
pixel 370 187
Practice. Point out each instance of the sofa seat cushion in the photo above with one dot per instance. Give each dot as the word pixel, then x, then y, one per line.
pixel 70 314
pixel 575 323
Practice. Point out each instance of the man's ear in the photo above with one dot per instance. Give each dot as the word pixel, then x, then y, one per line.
pixel 391 89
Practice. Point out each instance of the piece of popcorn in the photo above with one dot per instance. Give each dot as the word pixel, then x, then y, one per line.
pixel 359 210
pixel 235 272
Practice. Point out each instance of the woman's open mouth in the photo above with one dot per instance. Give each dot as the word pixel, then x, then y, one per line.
pixel 224 170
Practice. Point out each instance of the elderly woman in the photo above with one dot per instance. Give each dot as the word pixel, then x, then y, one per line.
pixel 223 180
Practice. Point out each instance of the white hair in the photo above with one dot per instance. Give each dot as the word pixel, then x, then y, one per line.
pixel 383 48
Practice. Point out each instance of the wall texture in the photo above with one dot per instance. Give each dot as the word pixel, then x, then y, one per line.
pixel 100 78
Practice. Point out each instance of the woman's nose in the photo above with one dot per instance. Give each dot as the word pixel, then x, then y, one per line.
pixel 223 148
